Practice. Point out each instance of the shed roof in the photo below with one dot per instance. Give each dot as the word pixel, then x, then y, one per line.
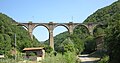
pixel 38 48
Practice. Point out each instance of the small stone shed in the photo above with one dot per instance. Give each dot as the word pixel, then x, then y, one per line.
pixel 35 54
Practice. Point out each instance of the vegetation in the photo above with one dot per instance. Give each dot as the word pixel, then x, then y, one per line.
pixel 68 57
pixel 112 40
pixel 79 42
pixel 68 45
pixel 90 45
pixel 110 16
pixel 104 59
pixel 58 39
pixel 66 53
pixel 8 29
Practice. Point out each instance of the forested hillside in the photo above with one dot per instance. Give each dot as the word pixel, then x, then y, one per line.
pixel 105 15
pixel 8 29
pixel 110 15
pixel 80 41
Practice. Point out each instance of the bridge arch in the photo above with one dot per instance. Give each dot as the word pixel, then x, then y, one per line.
pixel 98 27
pixel 81 25
pixel 64 25
pixel 59 30
pixel 41 33
pixel 41 25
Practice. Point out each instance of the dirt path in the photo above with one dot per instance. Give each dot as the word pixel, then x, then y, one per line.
pixel 85 59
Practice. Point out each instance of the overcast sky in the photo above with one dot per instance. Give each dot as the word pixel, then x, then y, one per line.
pixel 59 11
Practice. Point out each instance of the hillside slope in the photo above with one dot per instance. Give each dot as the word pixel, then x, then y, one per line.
pixel 106 14
pixel 7 32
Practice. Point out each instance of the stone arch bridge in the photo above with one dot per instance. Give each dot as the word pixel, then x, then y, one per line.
pixel 51 26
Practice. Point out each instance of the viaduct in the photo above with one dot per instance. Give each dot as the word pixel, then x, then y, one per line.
pixel 51 26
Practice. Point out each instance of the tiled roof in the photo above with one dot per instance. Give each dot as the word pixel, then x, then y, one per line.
pixel 38 48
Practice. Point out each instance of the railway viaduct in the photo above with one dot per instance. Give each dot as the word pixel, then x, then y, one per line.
pixel 51 26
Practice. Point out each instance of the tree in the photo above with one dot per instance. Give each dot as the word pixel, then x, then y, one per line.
pixel 68 45
pixel 112 39
pixel 5 43
pixel 78 43
pixel 1 44
pixel 90 44
pixel 48 49
pixel 7 31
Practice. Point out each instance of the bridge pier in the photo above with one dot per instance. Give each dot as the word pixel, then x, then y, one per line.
pixel 51 38
pixel 70 27
pixel 30 26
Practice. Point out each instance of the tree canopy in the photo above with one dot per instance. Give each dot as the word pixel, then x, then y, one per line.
pixel 7 32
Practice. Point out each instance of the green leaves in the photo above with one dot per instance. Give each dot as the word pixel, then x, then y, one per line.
pixel 7 31
pixel 5 43
pixel 90 44
pixel 112 41
pixel 68 45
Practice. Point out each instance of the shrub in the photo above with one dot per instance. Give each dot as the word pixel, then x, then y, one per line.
pixel 70 57
pixel 104 59
pixel 48 49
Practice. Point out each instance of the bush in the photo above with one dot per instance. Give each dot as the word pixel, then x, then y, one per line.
pixel 48 49
pixel 112 40
pixel 70 57
pixel 90 44
pixel 104 59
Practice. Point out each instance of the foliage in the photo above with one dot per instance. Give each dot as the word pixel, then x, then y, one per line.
pixel 99 31
pixel 90 44
pixel 78 43
pixel 5 43
pixel 110 16
pixel 67 45
pixel 112 41
pixel 48 49
pixel 58 39
pixel 104 59
pixel 8 29
pixel 69 57
pixel 104 15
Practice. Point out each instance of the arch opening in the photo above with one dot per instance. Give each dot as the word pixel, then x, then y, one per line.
pixel 25 28
pixel 58 39
pixel 82 31
pixel 41 33
pixel 62 25
pixel 98 30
